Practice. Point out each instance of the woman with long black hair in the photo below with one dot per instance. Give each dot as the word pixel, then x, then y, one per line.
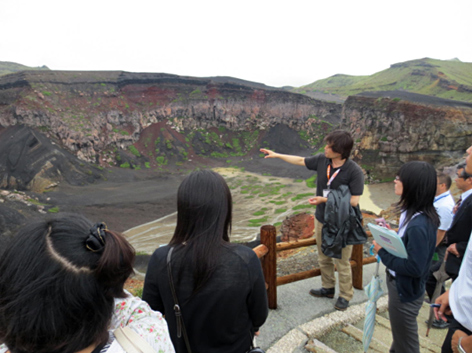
pixel 406 278
pixel 219 286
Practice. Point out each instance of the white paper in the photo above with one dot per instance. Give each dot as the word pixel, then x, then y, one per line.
pixel 389 240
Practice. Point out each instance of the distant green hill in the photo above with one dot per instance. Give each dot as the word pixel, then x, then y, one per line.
pixel 7 67
pixel 451 79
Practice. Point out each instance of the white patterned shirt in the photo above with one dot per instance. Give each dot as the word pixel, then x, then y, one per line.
pixel 137 315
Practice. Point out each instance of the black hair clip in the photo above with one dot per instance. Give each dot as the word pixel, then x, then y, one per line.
pixel 96 240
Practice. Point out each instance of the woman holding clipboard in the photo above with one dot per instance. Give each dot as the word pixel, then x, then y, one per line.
pixel 406 278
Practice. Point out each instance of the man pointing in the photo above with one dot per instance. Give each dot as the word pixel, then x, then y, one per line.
pixel 334 169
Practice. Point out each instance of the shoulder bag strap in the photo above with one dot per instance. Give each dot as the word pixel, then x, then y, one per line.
pixel 178 313
pixel 131 342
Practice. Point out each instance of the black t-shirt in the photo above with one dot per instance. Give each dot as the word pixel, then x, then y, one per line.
pixel 350 174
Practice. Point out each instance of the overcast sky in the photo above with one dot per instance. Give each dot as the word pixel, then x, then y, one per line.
pixel 273 42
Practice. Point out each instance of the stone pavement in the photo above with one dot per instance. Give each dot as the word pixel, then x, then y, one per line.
pixel 300 319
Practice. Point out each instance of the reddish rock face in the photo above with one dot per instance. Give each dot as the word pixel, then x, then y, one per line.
pixel 92 112
pixel 299 226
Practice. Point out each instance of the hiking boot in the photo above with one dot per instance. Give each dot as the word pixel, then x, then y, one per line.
pixel 341 304
pixel 440 324
pixel 323 292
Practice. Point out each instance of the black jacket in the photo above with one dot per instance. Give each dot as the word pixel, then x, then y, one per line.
pixel 221 316
pixel 342 223
pixel 459 233
pixel 411 273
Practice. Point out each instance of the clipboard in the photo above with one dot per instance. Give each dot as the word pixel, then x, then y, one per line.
pixel 389 240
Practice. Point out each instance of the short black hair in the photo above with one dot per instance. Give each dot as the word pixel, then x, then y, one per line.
pixel 464 174
pixel 445 179
pixel 340 142
pixel 57 295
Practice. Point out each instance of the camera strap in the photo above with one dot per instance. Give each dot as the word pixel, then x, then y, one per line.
pixel 253 348
pixel 178 313
pixel 131 341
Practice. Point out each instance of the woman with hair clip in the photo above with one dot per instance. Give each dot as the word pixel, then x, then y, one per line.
pixel 406 278
pixel 61 285
pixel 219 286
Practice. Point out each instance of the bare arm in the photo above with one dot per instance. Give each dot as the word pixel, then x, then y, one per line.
pixel 296 160
pixel 355 200
pixel 466 341
pixel 317 200
pixel 440 236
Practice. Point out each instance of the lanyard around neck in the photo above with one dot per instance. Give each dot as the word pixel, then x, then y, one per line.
pixel 439 198
pixel 328 173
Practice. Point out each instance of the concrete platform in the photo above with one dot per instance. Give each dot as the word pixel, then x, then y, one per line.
pixel 300 317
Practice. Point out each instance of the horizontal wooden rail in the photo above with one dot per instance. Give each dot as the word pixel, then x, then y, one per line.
pixel 301 243
pixel 298 276
pixel 316 272
pixel 295 244
pixel 261 250
pixel 369 260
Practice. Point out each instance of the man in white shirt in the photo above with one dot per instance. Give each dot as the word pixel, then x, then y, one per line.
pixel 444 203
pixel 459 299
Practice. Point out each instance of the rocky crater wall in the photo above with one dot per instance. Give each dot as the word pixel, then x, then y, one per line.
pixel 89 112
pixel 30 161
pixel 391 128
pixel 152 120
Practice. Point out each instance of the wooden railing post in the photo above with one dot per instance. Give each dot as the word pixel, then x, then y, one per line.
pixel 267 253
pixel 269 266
pixel 357 256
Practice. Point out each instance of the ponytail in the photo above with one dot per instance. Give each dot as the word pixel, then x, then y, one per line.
pixel 115 264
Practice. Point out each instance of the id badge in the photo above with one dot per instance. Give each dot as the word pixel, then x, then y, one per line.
pixel 326 192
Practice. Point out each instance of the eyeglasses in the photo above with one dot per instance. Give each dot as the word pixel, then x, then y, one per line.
pixel 462 174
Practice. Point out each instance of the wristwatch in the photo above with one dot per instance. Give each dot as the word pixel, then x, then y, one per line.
pixel 461 350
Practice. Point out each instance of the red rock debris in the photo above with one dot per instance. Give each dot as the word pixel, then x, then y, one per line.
pixel 299 226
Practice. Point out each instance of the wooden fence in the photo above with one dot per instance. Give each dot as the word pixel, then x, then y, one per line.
pixel 267 253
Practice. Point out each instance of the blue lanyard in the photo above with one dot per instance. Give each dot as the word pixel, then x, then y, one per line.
pixel 436 200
